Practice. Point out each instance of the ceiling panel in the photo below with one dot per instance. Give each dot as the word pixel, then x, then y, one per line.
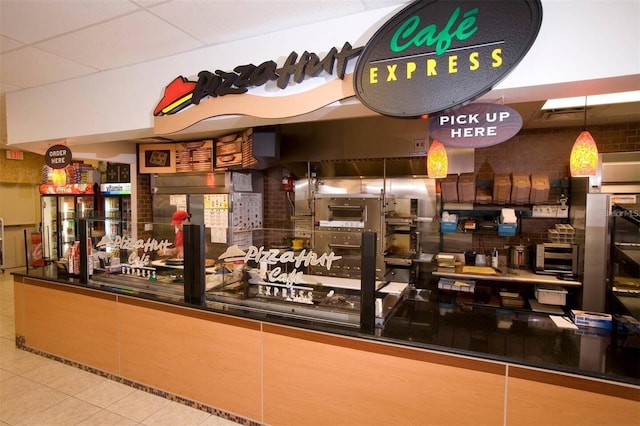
pixel 34 20
pixel 222 21
pixel 7 44
pixel 374 4
pixel 29 67
pixel 137 37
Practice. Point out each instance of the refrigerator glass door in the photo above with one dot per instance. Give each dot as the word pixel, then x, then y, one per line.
pixel 49 227
pixel 67 223
pixel 84 207
pixel 125 203
pixel 112 216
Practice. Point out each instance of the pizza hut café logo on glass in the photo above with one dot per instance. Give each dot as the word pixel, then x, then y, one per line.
pixel 435 55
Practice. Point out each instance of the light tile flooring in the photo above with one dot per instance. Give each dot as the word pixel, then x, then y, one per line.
pixel 35 390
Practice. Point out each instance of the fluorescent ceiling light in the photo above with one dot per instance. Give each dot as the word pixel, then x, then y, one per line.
pixel 579 101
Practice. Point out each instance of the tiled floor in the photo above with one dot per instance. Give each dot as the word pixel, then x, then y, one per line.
pixel 38 391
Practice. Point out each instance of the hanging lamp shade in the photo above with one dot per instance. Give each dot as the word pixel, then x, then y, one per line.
pixel 584 156
pixel 437 162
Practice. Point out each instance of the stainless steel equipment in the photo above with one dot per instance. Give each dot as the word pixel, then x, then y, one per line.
pixel 556 258
pixel 399 210
pixel 339 222
pixel 229 204
pixel 590 216
pixel 519 257
pixel 402 241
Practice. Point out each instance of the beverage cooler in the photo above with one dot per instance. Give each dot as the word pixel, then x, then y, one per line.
pixel 62 206
pixel 117 208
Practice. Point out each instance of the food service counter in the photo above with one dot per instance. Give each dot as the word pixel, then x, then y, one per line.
pixel 497 366
pixel 522 276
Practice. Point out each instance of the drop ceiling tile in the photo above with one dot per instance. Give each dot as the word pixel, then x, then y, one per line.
pixel 29 67
pixel 222 21
pixel 375 4
pixel 130 39
pixel 6 87
pixel 7 44
pixel 147 3
pixel 34 20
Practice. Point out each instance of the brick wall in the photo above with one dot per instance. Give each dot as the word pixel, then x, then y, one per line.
pixel 544 151
pixel 144 205
pixel 548 150
pixel 277 208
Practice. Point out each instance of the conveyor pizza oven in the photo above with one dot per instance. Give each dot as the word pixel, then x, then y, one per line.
pixel 339 221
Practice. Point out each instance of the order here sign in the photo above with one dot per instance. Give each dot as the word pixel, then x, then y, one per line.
pixel 58 157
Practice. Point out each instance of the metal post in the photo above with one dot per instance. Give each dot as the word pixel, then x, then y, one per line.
pixel 84 258
pixel 194 277
pixel 368 283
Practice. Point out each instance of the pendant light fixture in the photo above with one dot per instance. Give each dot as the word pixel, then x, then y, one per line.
pixel 584 154
pixel 437 162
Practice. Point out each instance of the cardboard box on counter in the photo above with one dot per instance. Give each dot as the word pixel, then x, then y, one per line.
pixel 449 189
pixel 539 188
pixel 501 188
pixel 483 195
pixel 592 319
pixel 520 189
pixel 467 188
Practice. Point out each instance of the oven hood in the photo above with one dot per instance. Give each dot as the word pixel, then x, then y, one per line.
pixel 378 167
pixel 370 147
pixel 460 161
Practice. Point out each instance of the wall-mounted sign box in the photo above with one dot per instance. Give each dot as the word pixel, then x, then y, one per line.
pixel 115 188
pixel 69 189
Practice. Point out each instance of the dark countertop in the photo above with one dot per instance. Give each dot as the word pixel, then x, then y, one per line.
pixel 516 336
pixel 506 335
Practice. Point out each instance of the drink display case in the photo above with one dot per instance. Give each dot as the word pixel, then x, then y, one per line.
pixel 62 206
pixel 117 208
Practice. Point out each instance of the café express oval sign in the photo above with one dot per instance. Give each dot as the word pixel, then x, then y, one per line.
pixel 436 55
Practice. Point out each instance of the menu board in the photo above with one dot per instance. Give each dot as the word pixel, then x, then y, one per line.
pixel 194 156
pixel 178 200
pixel 247 211
pixel 216 216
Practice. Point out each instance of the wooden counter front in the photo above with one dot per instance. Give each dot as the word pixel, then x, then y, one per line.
pixel 316 379
pixel 553 399
pixel 74 323
pixel 199 355
pixel 282 375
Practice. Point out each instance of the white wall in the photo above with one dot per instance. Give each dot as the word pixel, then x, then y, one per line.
pixel 581 45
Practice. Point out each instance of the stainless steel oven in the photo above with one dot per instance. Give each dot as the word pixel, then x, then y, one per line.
pixel 339 221
pixel 556 258
pixel 348 213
